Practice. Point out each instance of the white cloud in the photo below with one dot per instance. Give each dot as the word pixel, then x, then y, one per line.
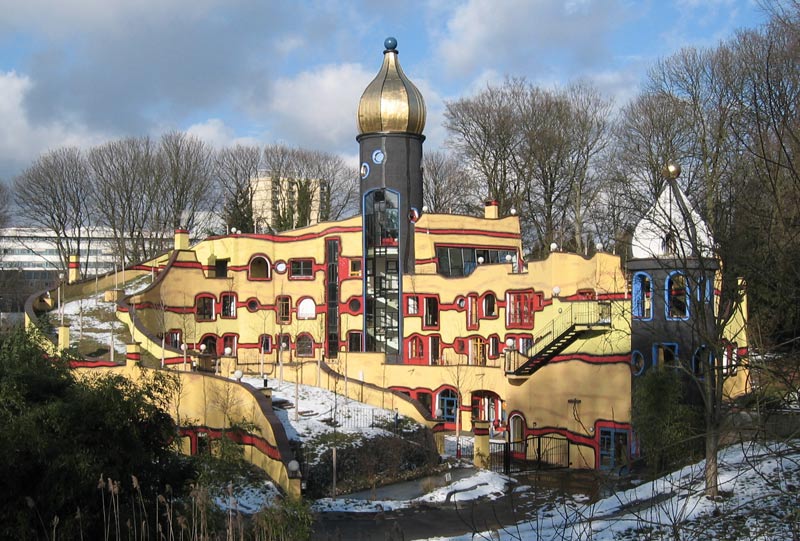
pixel 21 139
pixel 526 35
pixel 216 133
pixel 317 108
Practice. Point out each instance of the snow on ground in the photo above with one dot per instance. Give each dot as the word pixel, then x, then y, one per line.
pixel 316 407
pixel 760 501
pixel 481 484
pixel 312 410
pixel 84 314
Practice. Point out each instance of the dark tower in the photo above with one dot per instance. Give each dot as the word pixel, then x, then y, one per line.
pixel 391 118
pixel 672 283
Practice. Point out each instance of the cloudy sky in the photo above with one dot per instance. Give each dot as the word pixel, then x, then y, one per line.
pixel 79 72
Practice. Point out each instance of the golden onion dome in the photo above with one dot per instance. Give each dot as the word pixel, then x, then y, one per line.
pixel 391 103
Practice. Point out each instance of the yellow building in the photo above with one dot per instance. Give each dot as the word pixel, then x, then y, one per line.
pixel 442 309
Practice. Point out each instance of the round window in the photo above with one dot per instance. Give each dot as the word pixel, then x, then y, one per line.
pixel 354 305
pixel 637 363
pixel 252 305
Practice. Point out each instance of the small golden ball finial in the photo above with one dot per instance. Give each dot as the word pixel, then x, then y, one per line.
pixel 671 171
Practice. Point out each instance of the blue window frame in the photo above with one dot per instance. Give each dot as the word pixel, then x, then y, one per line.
pixel 637 363
pixel 448 405
pixel 665 354
pixel 642 296
pixel 702 360
pixel 614 448
pixel 676 296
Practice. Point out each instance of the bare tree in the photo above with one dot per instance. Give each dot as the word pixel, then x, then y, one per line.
pixel 188 182
pixel 338 186
pixel 128 179
pixel 447 186
pixel 279 161
pixel 485 133
pixel 236 170
pixel 55 193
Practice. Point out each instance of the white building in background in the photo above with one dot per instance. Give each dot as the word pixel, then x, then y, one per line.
pixel 272 196
pixel 35 250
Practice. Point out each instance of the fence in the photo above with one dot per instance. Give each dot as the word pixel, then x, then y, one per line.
pixel 534 453
pixel 363 418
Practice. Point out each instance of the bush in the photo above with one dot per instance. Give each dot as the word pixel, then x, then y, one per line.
pixel 669 429
pixel 62 435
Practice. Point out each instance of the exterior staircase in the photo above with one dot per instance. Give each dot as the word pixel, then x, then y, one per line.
pixel 575 319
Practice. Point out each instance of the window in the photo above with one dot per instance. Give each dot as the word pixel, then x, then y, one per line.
pixel 613 448
pixel 729 358
pixel 229 341
pixel 265 343
pixel 665 354
pixel 431 312
pixel 204 308
pixel 301 268
pixel 478 351
pixel 435 349
pixel 284 309
pixel 305 346
pixel 447 405
pixel 173 338
pixel 702 359
pixel 472 312
pixel 221 268
pixel 489 305
pixel 228 302
pixel 412 305
pixel 524 343
pixel 637 363
pixel 354 341
pixel 641 297
pixel 494 347
pixel 306 309
pixel 210 342
pixel 519 309
pixel 462 260
pixel 284 342
pixel 355 267
pixel 415 350
pixel 259 268
pixel 426 400
pixel 677 296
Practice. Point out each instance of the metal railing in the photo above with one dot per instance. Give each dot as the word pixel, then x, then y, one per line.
pixel 592 313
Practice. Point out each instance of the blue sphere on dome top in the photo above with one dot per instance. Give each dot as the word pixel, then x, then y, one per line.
pixel 390 44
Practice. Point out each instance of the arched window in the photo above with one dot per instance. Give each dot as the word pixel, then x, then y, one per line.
pixel 210 342
pixel 489 305
pixel 415 350
pixel 677 296
pixel 642 296
pixel 305 346
pixel 306 309
pixel 703 358
pixel 517 435
pixel 447 405
pixel 259 268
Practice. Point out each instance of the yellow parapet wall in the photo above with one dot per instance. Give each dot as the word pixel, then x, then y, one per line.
pixel 206 404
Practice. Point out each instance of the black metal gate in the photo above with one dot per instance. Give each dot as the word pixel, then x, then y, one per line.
pixel 534 453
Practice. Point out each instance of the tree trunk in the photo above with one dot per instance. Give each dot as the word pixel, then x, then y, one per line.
pixel 711 471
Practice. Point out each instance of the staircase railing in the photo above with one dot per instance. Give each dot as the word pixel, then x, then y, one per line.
pixel 572 314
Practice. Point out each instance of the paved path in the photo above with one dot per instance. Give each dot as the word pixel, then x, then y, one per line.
pixel 453 519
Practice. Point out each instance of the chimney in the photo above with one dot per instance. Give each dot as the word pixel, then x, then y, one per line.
pixel 491 209
pixel 74 268
pixel 181 239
